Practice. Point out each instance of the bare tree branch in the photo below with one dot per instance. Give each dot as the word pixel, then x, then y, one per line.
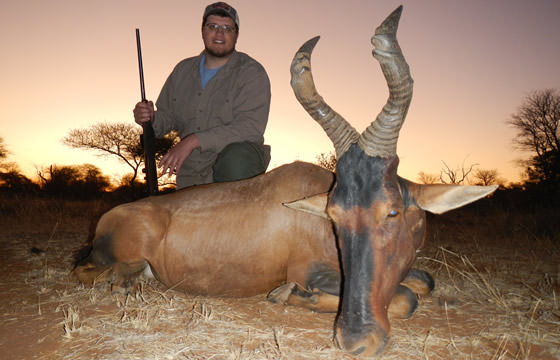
pixel 537 122
pixel 487 177
pixel 120 140
pixel 455 176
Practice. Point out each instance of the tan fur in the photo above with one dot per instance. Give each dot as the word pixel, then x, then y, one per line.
pixel 230 239
pixel 417 286
pixel 89 274
pixel 399 308
pixel 319 301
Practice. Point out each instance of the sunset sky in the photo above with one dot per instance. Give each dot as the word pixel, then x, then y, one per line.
pixel 71 64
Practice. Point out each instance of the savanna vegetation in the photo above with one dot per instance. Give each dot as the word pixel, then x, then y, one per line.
pixel 495 263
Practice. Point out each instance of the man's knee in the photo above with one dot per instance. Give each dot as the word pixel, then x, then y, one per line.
pixel 241 160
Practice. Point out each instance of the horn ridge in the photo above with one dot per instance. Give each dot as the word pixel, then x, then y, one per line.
pixel 380 138
pixel 341 133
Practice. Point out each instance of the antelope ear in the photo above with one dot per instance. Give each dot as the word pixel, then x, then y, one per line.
pixel 439 198
pixel 316 205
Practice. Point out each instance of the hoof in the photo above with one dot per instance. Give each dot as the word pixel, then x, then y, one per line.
pixel 419 281
pixel 403 304
pixel 281 294
pixel 90 275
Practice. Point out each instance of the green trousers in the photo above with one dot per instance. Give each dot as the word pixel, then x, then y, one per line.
pixel 241 160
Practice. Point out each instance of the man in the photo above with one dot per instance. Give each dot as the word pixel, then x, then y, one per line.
pixel 219 102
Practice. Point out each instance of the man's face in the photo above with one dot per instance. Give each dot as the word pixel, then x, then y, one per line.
pixel 217 41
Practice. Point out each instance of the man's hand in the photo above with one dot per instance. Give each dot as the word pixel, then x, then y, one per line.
pixel 172 161
pixel 143 112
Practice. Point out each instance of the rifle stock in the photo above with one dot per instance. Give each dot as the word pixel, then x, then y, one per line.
pixel 148 138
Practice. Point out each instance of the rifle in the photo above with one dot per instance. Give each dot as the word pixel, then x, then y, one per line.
pixel 148 137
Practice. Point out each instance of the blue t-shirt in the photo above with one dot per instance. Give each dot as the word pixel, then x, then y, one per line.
pixel 205 73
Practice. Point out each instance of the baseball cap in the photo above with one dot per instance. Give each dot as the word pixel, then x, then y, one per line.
pixel 221 8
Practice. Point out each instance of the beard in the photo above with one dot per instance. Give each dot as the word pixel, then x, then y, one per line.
pixel 221 52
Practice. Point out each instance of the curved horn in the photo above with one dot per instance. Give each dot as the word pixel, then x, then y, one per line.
pixel 341 133
pixel 380 138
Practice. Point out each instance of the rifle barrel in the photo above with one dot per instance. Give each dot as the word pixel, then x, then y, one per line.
pixel 140 66
pixel 148 137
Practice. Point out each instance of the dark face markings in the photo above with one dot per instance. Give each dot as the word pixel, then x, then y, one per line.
pixel 376 242
pixel 355 315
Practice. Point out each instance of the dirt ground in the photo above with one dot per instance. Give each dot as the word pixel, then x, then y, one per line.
pixel 496 297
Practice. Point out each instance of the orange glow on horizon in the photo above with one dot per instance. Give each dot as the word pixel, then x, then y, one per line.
pixel 472 63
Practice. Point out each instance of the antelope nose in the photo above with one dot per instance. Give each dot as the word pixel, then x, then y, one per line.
pixel 370 344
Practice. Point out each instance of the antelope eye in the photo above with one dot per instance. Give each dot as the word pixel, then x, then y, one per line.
pixel 393 213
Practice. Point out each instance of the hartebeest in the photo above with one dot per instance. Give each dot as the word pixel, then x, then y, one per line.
pixel 274 233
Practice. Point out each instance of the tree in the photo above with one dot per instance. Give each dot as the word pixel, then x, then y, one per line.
pixel 425 178
pixel 3 150
pixel 121 140
pixel 328 161
pixel 537 124
pixel 16 182
pixel 74 181
pixel 11 178
pixel 487 177
pixel 4 165
pixel 455 176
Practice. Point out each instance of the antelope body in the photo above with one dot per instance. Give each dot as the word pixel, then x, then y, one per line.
pixel 274 233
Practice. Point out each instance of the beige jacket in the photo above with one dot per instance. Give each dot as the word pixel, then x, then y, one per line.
pixel 233 107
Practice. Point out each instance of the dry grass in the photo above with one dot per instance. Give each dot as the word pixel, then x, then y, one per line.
pixel 150 323
pixel 492 315
pixel 495 298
